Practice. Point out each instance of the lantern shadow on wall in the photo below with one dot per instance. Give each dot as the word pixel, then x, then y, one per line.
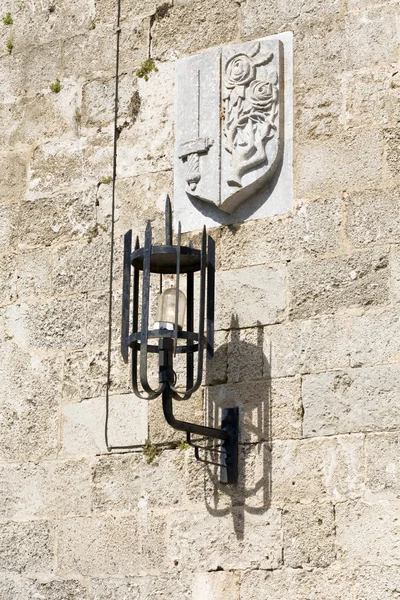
pixel 252 494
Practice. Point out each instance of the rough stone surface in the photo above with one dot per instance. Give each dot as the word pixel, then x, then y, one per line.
pixel 197 539
pixel 18 589
pixel 373 218
pixel 331 583
pixel 83 424
pixel 368 533
pixel 307 332
pixel 328 286
pixel 316 471
pixel 351 162
pixel 255 306
pixel 352 400
pixel 99 547
pixel 308 535
pixel 47 490
pixel 27 547
pixel 313 229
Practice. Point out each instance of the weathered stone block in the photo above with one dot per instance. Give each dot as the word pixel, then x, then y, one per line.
pixel 82 268
pixel 308 535
pixel 215 586
pixel 245 354
pixel 305 346
pixel 313 229
pixel 98 155
pixel 352 161
pixel 116 589
pixel 35 120
pixel 216 369
pixel 8 226
pixel 34 273
pixel 319 109
pixel 63 218
pixel 85 374
pixel 105 13
pixel 377 583
pixel 286 409
pixel 127 483
pixel 49 489
pixel 325 286
pixel 99 48
pixel 84 422
pixel 97 317
pixel 98 547
pixel 352 400
pixel 138 199
pixel 373 217
pixel 13 180
pixel 20 589
pixel 371 38
pixel 52 324
pixel 326 344
pixel 392 153
pixel 371 98
pixel 320 49
pixel 184 27
pixel 39 24
pixel 315 470
pixel 56 167
pixel 201 541
pixel 253 296
pixel 98 102
pixel 368 534
pixel 8 279
pixel 27 547
pixel 31 71
pixel 149 587
pixel 383 465
pixel 259 18
pixel 395 276
pixel 29 425
pixel 331 583
pixel 374 338
pixel 153 127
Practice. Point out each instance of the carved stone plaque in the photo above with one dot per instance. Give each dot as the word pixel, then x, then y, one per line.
pixel 229 129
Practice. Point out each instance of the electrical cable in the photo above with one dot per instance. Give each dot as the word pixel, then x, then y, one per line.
pixel 114 176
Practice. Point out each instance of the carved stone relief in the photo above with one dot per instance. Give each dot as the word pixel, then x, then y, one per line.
pixel 229 126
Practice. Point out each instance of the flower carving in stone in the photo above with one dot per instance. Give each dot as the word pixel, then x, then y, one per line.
pixel 251 96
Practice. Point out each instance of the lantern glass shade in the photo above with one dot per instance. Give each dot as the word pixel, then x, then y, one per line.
pixel 165 318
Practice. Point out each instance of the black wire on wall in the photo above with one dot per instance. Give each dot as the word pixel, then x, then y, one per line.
pixel 114 176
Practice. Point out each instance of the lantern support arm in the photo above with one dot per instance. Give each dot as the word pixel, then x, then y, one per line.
pixel 194 428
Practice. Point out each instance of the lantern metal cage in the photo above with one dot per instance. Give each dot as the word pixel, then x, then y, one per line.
pixel 170 259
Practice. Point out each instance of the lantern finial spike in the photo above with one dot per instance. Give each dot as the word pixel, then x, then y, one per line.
pixel 168 222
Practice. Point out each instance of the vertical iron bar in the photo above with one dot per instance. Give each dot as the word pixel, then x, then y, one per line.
pixel 135 322
pixel 178 268
pixel 189 327
pixel 202 306
pixel 210 297
pixel 126 292
pixel 145 308
pixel 168 222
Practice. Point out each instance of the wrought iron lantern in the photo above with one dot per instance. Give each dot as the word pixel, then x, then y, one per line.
pixel 169 337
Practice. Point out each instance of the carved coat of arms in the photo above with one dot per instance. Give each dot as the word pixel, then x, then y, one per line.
pixel 229 122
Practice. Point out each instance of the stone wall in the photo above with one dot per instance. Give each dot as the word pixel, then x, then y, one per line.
pixel 307 316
